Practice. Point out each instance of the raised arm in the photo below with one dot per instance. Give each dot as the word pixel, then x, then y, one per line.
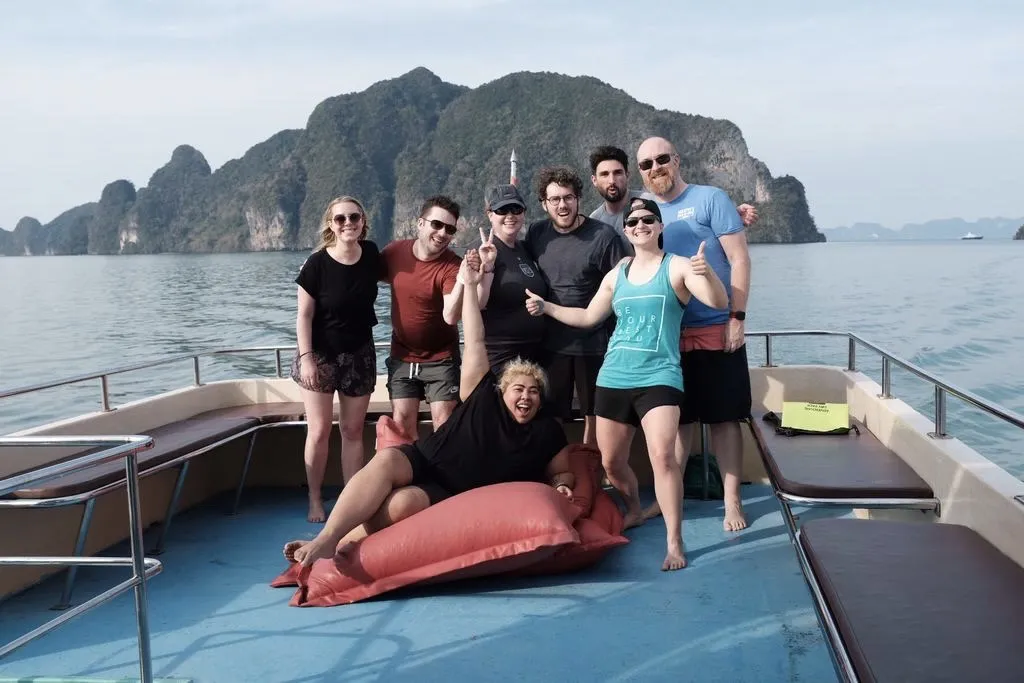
pixel 474 354
pixel 693 275
pixel 594 314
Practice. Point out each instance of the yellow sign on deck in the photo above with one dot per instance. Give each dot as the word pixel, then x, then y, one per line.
pixel 815 417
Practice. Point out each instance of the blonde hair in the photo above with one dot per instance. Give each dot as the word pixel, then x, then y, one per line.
pixel 327 236
pixel 518 367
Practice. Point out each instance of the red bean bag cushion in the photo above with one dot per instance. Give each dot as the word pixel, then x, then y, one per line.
pixel 389 434
pixel 598 534
pixel 489 530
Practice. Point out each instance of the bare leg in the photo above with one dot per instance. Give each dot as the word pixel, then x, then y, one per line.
pixel 440 411
pixel 319 420
pixel 728 441
pixel 682 452
pixel 353 421
pixel 402 503
pixel 406 412
pixel 614 439
pixel 660 429
pixel 388 470
pixel 590 430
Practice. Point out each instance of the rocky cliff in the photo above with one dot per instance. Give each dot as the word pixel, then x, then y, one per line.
pixel 392 145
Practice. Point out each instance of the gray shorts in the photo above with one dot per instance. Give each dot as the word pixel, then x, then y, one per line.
pixel 434 381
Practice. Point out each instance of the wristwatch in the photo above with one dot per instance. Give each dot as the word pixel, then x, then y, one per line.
pixel 739 315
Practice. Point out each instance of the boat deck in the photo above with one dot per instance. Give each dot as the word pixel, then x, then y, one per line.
pixel 740 612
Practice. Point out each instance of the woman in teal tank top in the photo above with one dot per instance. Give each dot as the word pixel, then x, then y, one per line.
pixel 641 383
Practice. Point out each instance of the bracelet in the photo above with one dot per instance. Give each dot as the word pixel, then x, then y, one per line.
pixel 305 354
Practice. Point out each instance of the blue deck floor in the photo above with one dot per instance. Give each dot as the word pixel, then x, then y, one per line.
pixel 739 612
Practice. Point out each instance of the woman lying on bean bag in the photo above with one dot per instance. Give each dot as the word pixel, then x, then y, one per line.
pixel 493 436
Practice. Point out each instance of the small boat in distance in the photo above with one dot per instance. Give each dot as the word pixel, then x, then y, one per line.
pixel 972 236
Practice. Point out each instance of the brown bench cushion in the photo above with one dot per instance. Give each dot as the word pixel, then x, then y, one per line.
pixel 851 466
pixel 915 601
pixel 169 441
pixel 264 412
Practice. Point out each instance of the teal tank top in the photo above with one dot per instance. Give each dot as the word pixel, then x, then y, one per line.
pixel 644 348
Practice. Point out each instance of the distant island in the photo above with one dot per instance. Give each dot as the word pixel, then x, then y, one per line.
pixel 1020 233
pixel 394 144
pixel 941 229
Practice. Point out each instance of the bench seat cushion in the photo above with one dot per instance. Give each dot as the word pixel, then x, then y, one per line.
pixel 169 442
pixel 918 601
pixel 831 466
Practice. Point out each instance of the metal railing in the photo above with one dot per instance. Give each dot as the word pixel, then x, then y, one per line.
pixel 114 447
pixel 942 388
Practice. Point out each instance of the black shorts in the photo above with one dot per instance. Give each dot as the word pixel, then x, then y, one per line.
pixel 350 374
pixel 566 373
pixel 423 474
pixel 629 406
pixel 433 381
pixel 717 386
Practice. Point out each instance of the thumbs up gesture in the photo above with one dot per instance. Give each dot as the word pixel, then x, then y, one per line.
pixel 534 304
pixel 697 262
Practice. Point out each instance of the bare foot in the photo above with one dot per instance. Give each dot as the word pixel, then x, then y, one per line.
pixel 311 551
pixel 291 547
pixel 316 511
pixel 674 558
pixel 632 519
pixel 734 517
pixel 654 510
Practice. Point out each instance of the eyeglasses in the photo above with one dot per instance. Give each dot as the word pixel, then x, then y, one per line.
pixel 648 164
pixel 353 218
pixel 513 209
pixel 568 199
pixel 441 225
pixel 646 220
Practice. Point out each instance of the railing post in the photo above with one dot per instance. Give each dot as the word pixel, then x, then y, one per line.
pixel 768 351
pixel 195 370
pixel 940 414
pixel 277 360
pixel 886 378
pixel 104 394
pixel 131 467
pixel 851 355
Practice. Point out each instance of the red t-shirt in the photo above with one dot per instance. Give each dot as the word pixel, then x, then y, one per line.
pixel 419 333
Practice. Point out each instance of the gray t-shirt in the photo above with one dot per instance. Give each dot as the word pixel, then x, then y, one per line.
pixel 574 264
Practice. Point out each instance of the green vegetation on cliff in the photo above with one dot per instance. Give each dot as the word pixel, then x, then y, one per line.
pixel 1020 233
pixel 391 146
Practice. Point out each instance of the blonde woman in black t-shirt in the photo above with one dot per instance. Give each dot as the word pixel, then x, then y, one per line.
pixel 337 287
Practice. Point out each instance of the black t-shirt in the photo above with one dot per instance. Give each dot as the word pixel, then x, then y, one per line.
pixel 574 264
pixel 343 319
pixel 506 320
pixel 482 444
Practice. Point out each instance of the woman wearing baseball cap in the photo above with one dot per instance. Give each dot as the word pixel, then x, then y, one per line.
pixel 641 383
pixel 508 271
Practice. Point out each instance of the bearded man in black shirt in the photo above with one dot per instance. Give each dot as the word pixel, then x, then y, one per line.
pixel 493 436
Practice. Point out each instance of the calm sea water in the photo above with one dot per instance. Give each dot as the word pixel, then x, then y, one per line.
pixel 951 307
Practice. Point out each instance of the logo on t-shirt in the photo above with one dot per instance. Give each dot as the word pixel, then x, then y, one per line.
pixel 686 212
pixel 527 270
pixel 639 322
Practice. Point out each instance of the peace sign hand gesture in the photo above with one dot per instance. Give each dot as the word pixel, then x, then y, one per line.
pixel 488 252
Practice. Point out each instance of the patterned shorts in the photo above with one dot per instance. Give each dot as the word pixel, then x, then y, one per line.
pixel 350 374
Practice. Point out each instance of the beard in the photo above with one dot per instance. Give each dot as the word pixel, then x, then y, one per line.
pixel 611 194
pixel 662 183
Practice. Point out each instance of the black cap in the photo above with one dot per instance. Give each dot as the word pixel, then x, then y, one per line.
pixel 641 203
pixel 501 196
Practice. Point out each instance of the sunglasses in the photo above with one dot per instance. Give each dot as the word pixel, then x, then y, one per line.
pixel 353 218
pixel 513 209
pixel 646 220
pixel 441 225
pixel 648 164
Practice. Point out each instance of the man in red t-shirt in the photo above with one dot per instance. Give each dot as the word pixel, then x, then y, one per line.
pixel 426 302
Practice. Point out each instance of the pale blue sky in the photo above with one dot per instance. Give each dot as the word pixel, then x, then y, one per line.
pixel 891 112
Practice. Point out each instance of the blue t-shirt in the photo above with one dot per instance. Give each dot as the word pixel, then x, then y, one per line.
pixel 701 214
